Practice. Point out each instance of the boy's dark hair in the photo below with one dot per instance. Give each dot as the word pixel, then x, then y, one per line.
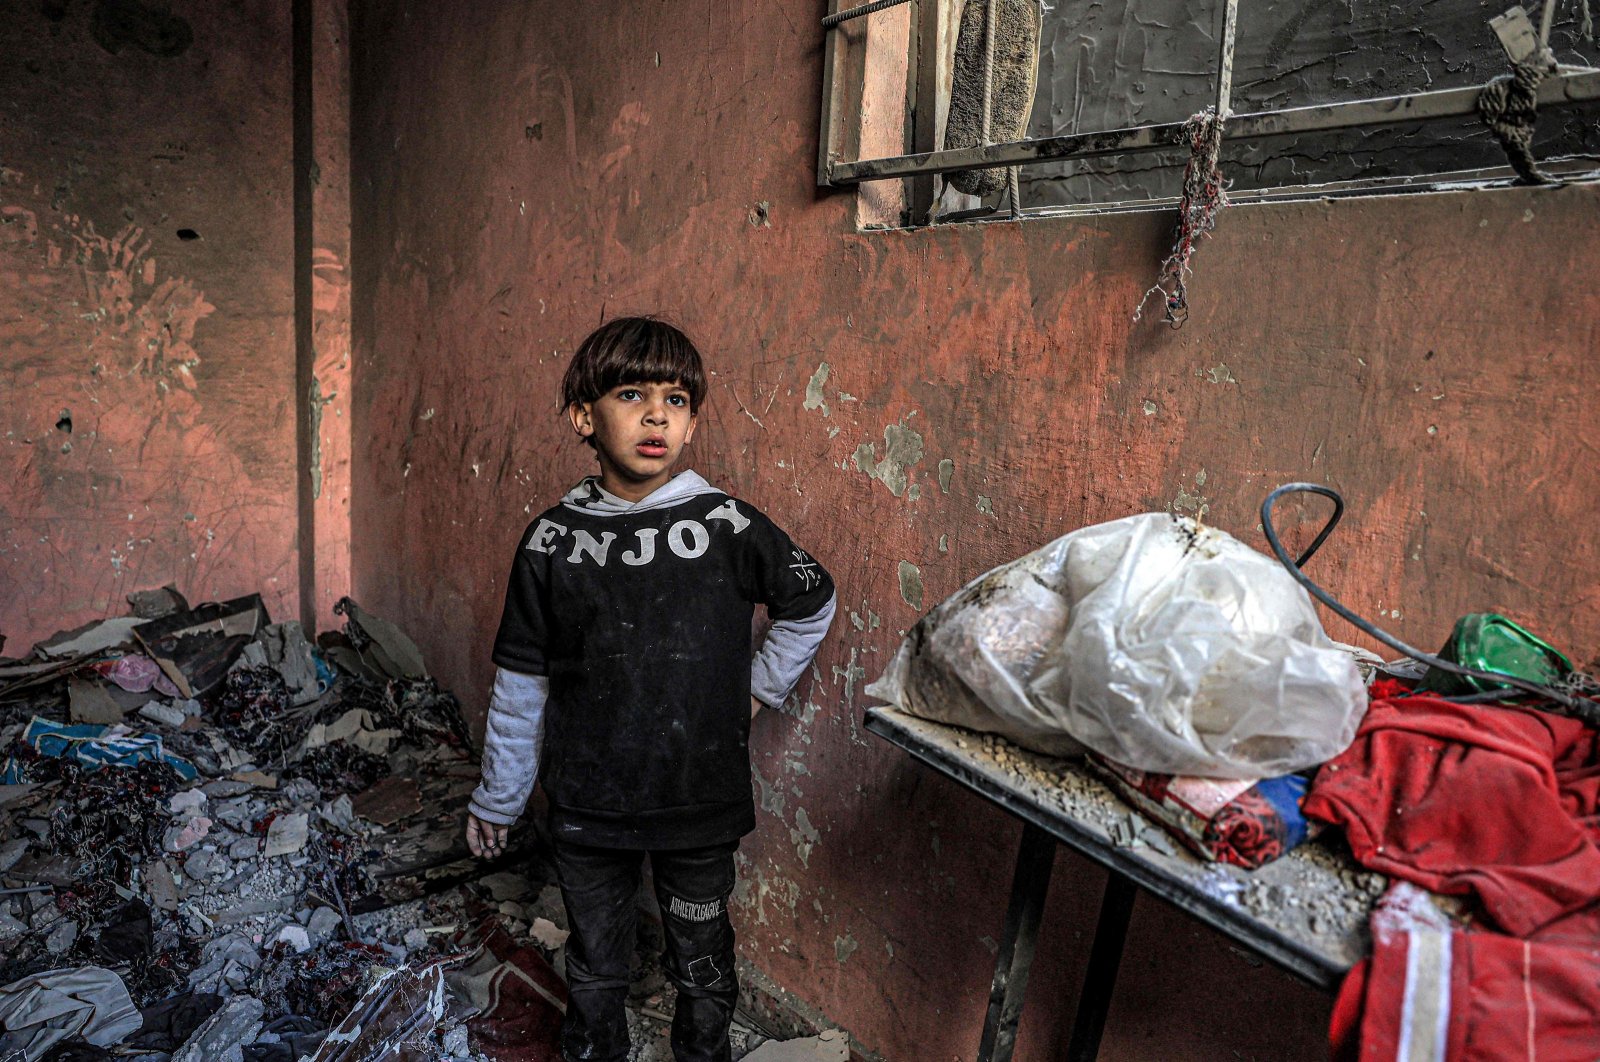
pixel 633 350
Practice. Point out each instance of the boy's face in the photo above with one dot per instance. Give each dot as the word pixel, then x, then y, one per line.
pixel 639 430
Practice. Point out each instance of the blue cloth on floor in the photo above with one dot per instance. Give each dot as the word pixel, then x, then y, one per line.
pixel 92 746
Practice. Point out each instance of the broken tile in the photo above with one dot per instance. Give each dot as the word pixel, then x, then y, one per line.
pixel 160 886
pixel 286 835
pixel 283 647
pixel 181 835
pixel 10 927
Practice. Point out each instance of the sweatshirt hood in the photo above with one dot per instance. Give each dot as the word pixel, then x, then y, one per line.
pixel 590 497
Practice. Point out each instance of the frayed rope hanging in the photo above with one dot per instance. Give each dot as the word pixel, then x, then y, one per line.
pixel 1508 105
pixel 1204 193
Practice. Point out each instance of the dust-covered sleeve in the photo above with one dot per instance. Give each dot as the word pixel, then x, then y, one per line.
pixel 781 575
pixel 522 642
pixel 798 593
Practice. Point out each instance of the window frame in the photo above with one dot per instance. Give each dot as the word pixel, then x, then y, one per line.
pixel 936 21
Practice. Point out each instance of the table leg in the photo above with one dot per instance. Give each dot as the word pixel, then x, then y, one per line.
pixel 1029 885
pixel 1100 979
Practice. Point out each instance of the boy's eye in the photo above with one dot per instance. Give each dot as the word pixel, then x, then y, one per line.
pixel 628 394
pixel 678 400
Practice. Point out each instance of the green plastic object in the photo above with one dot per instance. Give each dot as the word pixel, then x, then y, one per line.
pixel 1487 641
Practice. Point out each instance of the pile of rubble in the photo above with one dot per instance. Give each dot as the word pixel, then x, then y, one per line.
pixel 220 842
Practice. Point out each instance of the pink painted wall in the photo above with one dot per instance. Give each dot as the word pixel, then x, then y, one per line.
pixel 174 358
pixel 522 172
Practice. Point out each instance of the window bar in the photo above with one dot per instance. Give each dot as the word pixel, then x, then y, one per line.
pixel 1230 22
pixel 1545 22
pixel 1578 87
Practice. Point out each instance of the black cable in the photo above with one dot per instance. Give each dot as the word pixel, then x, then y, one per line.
pixel 1581 708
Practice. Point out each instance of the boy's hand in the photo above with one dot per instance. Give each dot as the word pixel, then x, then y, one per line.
pixel 755 706
pixel 485 839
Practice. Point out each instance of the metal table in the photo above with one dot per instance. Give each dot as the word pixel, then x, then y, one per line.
pixel 1207 891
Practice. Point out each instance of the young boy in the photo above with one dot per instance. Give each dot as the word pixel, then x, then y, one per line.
pixel 626 686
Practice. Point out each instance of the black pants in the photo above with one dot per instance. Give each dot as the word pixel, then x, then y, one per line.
pixel 598 886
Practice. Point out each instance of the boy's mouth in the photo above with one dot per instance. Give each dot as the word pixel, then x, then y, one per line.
pixel 655 446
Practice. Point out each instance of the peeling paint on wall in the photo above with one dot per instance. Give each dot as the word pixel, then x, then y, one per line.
pixel 754 888
pixel 902 448
pixel 804 836
pixel 769 796
pixel 947 470
pixel 844 947
pixel 1192 503
pixel 814 399
pixel 911 584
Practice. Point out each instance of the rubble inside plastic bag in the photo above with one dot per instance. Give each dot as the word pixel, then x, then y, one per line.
pixel 270 869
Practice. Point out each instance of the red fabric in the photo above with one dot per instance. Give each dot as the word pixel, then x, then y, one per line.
pixel 1505 999
pixel 518 998
pixel 1482 799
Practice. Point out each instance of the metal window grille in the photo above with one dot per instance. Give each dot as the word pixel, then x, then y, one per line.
pixel 1565 86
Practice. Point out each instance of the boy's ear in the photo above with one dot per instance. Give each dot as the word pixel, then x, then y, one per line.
pixel 694 418
pixel 582 422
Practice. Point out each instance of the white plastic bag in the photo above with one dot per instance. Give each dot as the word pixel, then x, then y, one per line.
pixel 1153 640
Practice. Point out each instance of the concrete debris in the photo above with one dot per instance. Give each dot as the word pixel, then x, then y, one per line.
pixel 181 835
pixel 829 1046
pixel 296 937
pixel 547 935
pixel 286 835
pixel 222 1037
pixel 160 712
pixel 213 855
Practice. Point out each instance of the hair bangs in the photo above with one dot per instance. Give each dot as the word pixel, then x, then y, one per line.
pixel 633 350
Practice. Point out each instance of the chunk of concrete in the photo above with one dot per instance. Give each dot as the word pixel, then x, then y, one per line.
pixel 286 835
pixel 828 1046
pixel 223 1036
